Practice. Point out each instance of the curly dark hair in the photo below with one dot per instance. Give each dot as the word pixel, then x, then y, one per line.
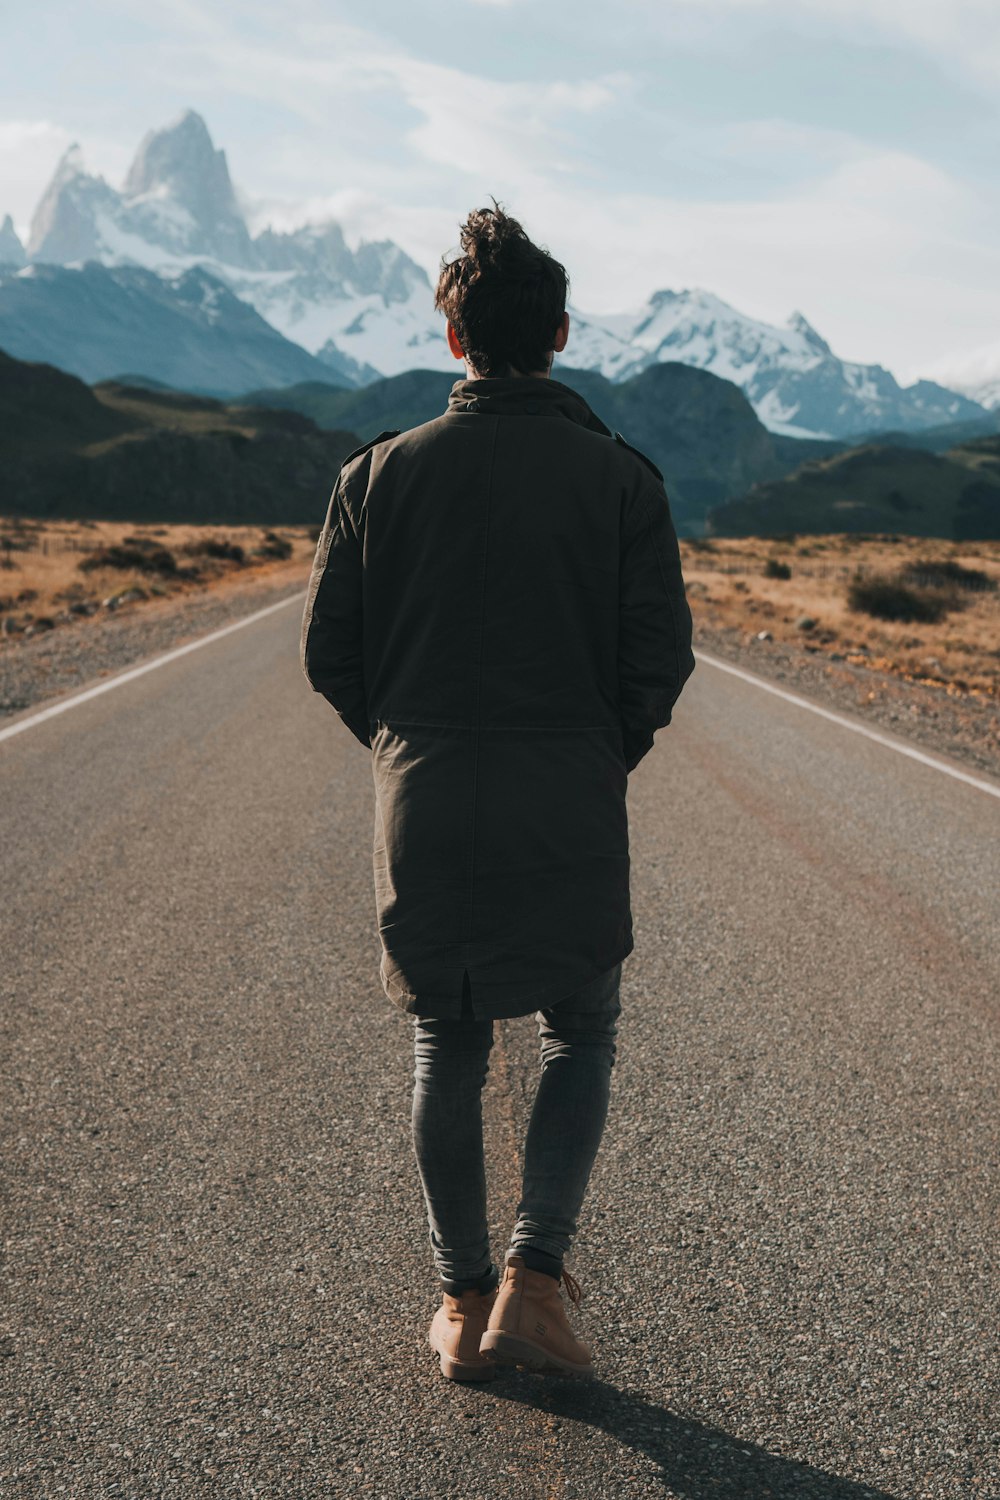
pixel 504 296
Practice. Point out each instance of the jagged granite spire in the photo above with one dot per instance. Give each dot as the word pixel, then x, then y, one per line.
pixel 11 249
pixel 180 164
pixel 64 225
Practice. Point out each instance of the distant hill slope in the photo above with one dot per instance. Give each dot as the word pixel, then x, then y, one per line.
pixel 115 452
pixel 935 439
pixel 399 402
pixel 877 488
pixel 699 430
pixel 190 332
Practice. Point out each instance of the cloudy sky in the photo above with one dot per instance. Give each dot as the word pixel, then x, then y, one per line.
pixel 832 156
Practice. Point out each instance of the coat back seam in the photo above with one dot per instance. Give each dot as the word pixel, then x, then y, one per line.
pixel 479 687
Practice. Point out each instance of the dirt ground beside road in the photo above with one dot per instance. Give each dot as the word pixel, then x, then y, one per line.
pixel 55 573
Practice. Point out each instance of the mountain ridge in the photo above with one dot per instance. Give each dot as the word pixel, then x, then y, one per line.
pixel 877 488
pixel 189 331
pixel 368 313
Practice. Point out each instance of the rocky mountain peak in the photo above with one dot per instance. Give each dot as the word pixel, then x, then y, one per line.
pixel 11 249
pixel 799 323
pixel 311 247
pixel 180 165
pixel 664 297
pixel 70 164
pixel 180 157
pixel 63 226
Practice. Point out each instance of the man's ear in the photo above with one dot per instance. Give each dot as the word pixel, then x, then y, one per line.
pixel 453 343
pixel 562 334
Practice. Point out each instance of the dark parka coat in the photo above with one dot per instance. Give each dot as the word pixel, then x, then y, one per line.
pixel 496 608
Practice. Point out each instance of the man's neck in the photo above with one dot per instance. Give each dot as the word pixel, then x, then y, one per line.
pixel 471 374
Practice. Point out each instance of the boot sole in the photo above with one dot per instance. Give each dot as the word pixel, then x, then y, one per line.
pixel 507 1349
pixel 453 1369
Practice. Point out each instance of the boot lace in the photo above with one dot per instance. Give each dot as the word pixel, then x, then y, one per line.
pixel 572 1286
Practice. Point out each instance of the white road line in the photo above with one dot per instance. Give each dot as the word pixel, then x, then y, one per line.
pixel 147 666
pixel 845 723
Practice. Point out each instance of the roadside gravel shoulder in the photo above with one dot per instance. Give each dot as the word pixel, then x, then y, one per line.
pixel 71 657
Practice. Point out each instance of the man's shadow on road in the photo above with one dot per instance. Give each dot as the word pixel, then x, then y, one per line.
pixel 697 1462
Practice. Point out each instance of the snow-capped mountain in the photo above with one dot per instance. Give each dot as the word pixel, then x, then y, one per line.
pixel 976 375
pixel 987 394
pixel 177 205
pixel 188 330
pixel 365 312
pixel 790 375
pixel 594 345
pixel 369 312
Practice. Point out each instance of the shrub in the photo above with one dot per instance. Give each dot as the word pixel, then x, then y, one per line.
pixel 775 569
pixel 216 546
pixel 10 542
pixel 930 574
pixel 144 558
pixel 273 545
pixel 886 597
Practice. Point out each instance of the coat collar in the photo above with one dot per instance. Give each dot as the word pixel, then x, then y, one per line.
pixel 523 395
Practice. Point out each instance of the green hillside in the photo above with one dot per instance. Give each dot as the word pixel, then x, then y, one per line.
pixel 877 487
pixel 113 451
pixel 700 431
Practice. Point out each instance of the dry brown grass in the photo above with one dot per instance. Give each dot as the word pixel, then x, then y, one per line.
pixel 961 652
pixel 726 582
pixel 40 574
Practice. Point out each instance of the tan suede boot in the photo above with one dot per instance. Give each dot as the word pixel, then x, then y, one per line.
pixel 455 1331
pixel 528 1324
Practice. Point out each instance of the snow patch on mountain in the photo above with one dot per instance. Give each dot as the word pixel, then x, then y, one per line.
pixel 707 332
pixel 593 345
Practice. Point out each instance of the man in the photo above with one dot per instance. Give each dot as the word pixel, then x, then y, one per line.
pixel 496 608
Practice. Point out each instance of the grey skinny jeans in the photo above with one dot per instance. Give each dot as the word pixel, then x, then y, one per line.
pixel 565 1129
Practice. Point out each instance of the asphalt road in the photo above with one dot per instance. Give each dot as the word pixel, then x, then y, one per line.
pixel 217 1274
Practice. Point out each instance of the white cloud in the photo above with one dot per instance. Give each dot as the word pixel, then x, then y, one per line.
pixel 892 259
pixel 964 33
pixel 466 122
pixel 882 250
pixel 29 150
pixel 486 128
pixel 877 254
